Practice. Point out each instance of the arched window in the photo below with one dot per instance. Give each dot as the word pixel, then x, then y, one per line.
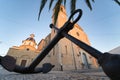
pixel 61 9
pixel 77 33
pixel 66 50
pixel 85 60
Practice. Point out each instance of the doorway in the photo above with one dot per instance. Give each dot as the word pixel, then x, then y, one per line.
pixel 85 61
pixel 23 63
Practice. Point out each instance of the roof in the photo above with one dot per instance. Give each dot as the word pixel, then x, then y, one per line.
pixel 76 25
pixel 115 50
pixel 31 39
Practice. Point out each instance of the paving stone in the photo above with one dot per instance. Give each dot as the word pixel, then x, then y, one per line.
pixel 56 75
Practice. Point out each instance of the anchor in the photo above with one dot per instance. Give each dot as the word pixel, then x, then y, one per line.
pixel 110 63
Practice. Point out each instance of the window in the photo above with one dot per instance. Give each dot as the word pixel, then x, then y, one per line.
pixel 79 55
pixel 23 63
pixel 66 50
pixel 29 43
pixel 54 51
pixel 27 49
pixel 77 33
pixel 61 9
pixel 54 31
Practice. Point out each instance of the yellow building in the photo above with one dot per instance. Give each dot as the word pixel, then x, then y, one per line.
pixel 65 55
pixel 24 53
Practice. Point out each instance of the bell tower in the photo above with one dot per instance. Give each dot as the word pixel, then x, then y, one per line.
pixel 62 17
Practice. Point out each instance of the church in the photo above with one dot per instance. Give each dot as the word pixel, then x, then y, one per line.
pixel 65 55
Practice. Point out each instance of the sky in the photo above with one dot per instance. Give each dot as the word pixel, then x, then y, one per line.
pixel 19 18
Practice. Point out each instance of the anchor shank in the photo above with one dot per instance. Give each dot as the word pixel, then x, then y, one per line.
pixel 41 56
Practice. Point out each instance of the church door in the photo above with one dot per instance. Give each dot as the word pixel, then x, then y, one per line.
pixel 23 63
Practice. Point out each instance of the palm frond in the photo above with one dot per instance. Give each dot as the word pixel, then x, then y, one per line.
pixel 51 2
pixel 72 6
pixel 88 4
pixel 43 2
pixel 118 2
pixel 56 10
pixel 93 0
pixel 64 3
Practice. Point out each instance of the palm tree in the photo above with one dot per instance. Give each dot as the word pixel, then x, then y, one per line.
pixel 117 1
pixel 63 2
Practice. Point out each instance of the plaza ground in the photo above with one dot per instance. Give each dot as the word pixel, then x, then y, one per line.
pixel 93 74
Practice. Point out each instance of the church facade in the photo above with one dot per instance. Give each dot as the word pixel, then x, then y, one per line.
pixel 65 55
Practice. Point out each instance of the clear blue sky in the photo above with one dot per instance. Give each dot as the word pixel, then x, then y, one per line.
pixel 18 19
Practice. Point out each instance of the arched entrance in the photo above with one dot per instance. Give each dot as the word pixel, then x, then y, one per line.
pixel 85 64
pixel 24 60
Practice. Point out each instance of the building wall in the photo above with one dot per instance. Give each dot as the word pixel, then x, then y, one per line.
pixel 22 54
pixel 65 55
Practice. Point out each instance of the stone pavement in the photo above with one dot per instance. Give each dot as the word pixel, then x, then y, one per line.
pixel 56 75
